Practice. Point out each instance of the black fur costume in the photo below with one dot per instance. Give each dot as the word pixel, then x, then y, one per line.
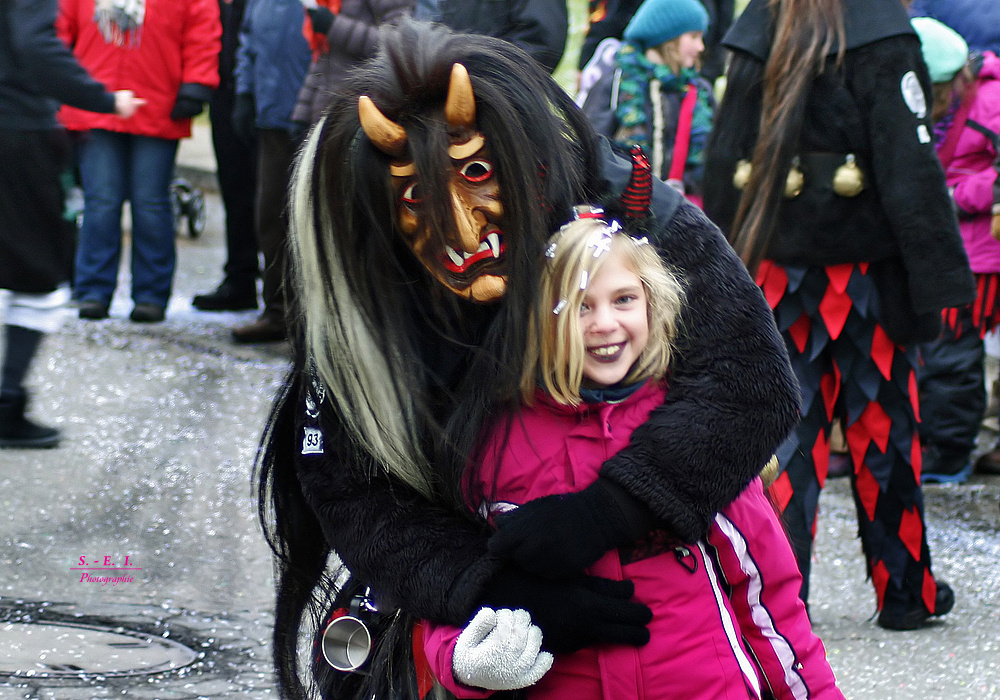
pixel 732 398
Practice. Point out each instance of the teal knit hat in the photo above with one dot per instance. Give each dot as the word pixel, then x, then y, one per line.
pixel 657 21
pixel 945 51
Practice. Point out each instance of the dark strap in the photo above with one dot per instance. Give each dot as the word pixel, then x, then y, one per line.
pixel 990 135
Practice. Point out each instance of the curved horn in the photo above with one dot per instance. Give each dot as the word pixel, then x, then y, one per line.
pixel 388 136
pixel 460 107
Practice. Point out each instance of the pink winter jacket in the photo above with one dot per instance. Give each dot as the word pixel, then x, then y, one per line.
pixel 699 636
pixel 971 173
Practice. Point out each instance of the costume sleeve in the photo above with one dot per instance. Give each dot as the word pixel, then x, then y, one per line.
pixel 48 64
pixel 732 396
pixel 431 560
pixel 892 87
pixel 359 38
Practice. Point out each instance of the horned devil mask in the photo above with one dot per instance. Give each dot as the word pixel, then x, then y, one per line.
pixel 469 263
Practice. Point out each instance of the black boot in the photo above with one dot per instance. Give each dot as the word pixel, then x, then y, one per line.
pixel 902 612
pixel 17 431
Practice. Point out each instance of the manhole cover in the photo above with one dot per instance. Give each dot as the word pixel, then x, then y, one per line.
pixel 66 649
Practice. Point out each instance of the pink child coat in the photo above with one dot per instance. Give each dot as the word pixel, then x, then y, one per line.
pixel 971 174
pixel 700 636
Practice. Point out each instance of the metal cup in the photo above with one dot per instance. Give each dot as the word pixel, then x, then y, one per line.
pixel 346 643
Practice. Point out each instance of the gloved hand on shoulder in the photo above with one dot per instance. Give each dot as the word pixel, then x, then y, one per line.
pixel 500 650
pixel 557 536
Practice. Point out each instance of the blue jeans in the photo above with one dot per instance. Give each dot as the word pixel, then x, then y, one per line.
pixel 115 167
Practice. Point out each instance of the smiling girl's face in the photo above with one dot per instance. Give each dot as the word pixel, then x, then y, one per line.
pixel 614 322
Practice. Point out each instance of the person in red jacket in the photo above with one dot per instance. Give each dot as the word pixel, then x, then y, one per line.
pixel 169 53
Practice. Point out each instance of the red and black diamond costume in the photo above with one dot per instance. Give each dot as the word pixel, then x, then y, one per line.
pixel 853 280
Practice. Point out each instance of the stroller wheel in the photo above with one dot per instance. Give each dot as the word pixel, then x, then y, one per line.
pixel 196 213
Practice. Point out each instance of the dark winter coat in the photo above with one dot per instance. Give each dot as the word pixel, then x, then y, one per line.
pixel 875 106
pixel 733 399
pixel 352 38
pixel 537 26
pixel 272 60
pixel 37 70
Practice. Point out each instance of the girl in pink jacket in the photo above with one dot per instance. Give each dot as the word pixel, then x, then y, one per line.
pixel 966 116
pixel 727 620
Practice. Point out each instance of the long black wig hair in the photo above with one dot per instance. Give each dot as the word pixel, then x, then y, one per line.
pixel 805 33
pixel 366 311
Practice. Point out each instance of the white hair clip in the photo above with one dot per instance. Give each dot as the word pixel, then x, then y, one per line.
pixel 640 241
pixel 550 252
pixel 584 279
pixel 614 226
pixel 601 245
pixel 559 307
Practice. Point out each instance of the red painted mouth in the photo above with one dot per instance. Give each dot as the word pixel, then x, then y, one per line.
pixel 490 248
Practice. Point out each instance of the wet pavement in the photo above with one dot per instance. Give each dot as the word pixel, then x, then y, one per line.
pixel 160 426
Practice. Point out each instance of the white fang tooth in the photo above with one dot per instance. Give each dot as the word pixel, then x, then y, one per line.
pixel 454 256
pixel 494 240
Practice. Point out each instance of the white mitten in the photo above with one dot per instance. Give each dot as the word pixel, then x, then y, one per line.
pixel 500 650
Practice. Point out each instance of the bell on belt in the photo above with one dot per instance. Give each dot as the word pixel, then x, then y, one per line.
pixel 848 180
pixel 794 181
pixel 741 176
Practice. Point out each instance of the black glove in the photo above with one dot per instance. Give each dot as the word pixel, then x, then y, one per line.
pixel 322 19
pixel 186 107
pixel 558 536
pixel 573 613
pixel 245 118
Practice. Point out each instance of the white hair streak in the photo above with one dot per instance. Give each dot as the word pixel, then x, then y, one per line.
pixel 339 342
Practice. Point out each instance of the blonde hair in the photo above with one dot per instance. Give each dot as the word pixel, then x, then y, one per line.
pixel 670 52
pixel 555 341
